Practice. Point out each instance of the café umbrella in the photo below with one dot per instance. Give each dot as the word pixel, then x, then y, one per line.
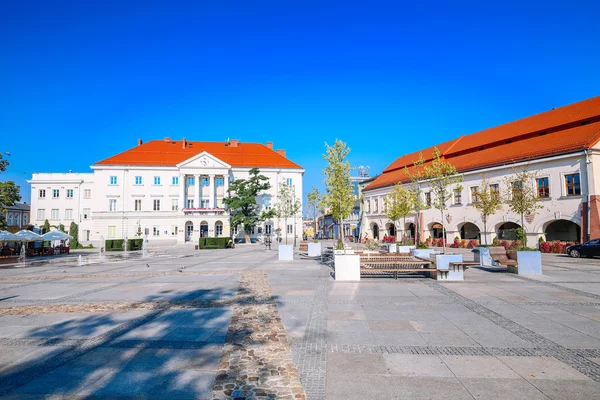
pixel 6 236
pixel 55 235
pixel 28 236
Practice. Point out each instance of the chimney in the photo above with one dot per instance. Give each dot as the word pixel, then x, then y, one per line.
pixel 184 143
pixel 140 142
pixel 270 145
pixel 234 143
pixel 281 152
pixel 167 139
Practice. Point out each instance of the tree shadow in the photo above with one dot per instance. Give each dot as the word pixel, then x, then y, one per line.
pixel 160 349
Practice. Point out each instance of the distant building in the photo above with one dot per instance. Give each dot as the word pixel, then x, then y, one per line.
pixel 17 216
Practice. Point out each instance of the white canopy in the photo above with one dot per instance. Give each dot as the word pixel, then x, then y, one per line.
pixel 28 236
pixel 56 235
pixel 6 236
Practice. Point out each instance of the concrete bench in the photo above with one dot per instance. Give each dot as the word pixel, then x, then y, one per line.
pixel 393 265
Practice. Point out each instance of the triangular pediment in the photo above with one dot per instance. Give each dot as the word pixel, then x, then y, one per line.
pixel 203 160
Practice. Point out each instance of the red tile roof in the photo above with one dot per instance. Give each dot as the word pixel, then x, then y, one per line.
pixel 560 131
pixel 172 152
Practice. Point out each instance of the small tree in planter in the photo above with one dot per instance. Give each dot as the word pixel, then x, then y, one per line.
pixel 488 202
pixel 441 174
pixel 416 174
pixel 74 233
pixel 46 227
pixel 339 197
pixel 398 204
pixel 314 200
pixel 287 204
pixel 242 201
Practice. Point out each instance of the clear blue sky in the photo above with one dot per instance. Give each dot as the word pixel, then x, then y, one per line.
pixel 81 81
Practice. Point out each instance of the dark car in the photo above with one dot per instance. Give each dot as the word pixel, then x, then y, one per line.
pixel 588 249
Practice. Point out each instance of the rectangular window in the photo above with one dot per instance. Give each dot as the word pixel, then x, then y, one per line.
pixel 112 205
pixel 475 194
pixel 42 194
pixel 260 230
pixel 495 190
pixel 234 230
pixel 69 193
pixel 55 193
pixel 25 219
pixel 68 213
pixel 543 187
pixel 87 193
pixel 9 219
pixel 573 185
pixel 191 181
pixel 54 214
pixel 205 181
pixel 219 203
pixel 218 230
pixel 86 235
pixel 203 203
pixel 175 180
pixel 289 181
pixel 174 204
pixel 190 203
pixel 428 199
pixel 268 229
pixel 156 205
pixel 86 213
pixel 290 229
pixel 41 214
pixel 369 205
pixel 113 180
pixel 157 180
pixel 112 231
pixel 457 197
pixel 155 231
pixel 137 203
pixel 516 188
pixel 138 180
pixel 173 230
pixel 219 181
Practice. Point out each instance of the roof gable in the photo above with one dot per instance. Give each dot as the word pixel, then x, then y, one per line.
pixel 203 160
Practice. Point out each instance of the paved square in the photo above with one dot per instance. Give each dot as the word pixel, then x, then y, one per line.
pixel 185 324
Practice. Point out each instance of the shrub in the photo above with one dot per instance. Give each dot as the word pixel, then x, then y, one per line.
pixel 496 242
pixel 473 243
pixel 114 245
pixel 545 247
pixel 520 235
pixel 370 245
pixel 456 243
pixel 464 243
pixel 213 243
pixel 388 239
pixel 134 244
pixel 423 245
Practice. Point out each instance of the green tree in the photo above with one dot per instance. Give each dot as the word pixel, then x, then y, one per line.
pixel 74 233
pixel 61 227
pixel 440 175
pixel 521 195
pixel 339 197
pixel 242 201
pixel 488 202
pixel 314 200
pixel 46 227
pixel 398 204
pixel 9 194
pixel 287 205
pixel 416 175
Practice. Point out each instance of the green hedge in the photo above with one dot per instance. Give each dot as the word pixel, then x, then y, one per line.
pixel 213 243
pixel 134 244
pixel 114 245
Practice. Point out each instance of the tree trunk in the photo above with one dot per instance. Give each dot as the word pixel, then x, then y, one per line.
pixel 443 233
pixel 247 237
pixel 485 229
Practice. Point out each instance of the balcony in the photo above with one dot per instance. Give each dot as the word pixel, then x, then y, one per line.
pixel 204 211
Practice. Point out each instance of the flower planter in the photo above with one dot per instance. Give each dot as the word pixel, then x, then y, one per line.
pixel 484 257
pixel 286 252
pixel 392 248
pixel 425 253
pixel 347 267
pixel 405 249
pixel 442 263
pixel 314 249
pixel 530 263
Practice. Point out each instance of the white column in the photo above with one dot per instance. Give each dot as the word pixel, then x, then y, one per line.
pixel 211 191
pixel 225 185
pixel 182 192
pixel 197 189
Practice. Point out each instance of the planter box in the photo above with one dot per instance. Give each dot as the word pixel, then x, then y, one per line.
pixel 425 253
pixel 342 252
pixel 530 263
pixel 392 248
pixel 442 263
pixel 347 267
pixel 314 249
pixel 405 249
pixel 286 252
pixel 484 258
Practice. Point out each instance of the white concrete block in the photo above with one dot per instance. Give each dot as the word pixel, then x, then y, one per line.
pixel 347 267
pixel 286 252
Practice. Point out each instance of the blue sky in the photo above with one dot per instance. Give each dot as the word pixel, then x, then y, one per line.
pixel 80 82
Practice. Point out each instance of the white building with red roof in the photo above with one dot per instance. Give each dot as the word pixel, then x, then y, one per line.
pixel 560 146
pixel 170 190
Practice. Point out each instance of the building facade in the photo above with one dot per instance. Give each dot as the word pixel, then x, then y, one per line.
pixel 172 191
pixel 17 216
pixel 559 146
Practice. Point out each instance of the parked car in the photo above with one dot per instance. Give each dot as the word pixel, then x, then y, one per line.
pixel 588 249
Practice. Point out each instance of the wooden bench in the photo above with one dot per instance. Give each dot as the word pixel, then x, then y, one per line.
pixel 500 255
pixel 386 265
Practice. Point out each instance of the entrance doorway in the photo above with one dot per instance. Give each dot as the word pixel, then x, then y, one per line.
pixel 203 229
pixel 189 231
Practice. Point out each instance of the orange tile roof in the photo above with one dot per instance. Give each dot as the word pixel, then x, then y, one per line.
pixel 171 152
pixel 569 129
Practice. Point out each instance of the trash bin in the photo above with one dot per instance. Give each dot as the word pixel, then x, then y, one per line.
pixel 196 247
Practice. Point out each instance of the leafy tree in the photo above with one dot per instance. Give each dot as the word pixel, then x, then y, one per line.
pixel 46 227
pixel 287 204
pixel 9 194
pixel 242 201
pixel 74 233
pixel 339 197
pixel 314 200
pixel 416 175
pixel 521 195
pixel 398 204
pixel 488 202
pixel 441 174
pixel 61 227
